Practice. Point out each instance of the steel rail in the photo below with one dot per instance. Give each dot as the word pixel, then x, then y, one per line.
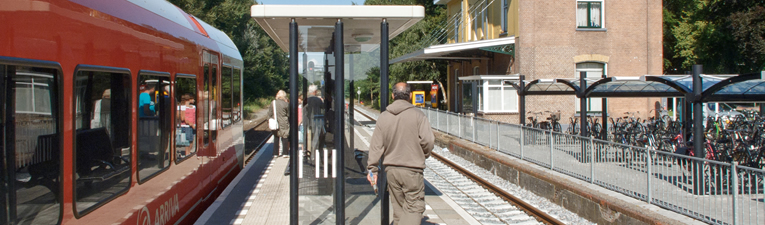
pixel 529 209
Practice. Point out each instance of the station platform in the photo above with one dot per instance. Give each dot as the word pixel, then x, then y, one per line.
pixel 260 194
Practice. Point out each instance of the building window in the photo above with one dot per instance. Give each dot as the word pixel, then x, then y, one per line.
pixel 594 71
pixel 497 96
pixel 589 14
pixel 505 9
pixel 479 20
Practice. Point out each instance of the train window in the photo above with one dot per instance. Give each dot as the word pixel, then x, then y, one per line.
pixel 154 123
pixel 205 105
pixel 186 117
pixel 214 102
pixel 226 77
pixel 30 164
pixel 103 136
pixel 237 93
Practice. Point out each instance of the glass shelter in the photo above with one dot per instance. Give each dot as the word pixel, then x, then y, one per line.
pixel 329 48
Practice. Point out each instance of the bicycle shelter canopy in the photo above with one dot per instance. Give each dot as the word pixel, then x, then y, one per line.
pixel 327 183
pixel 715 88
pixel 745 87
pixel 554 87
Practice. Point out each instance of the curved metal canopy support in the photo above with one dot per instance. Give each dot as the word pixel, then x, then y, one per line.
pixel 671 88
pixel 561 87
pixel 742 93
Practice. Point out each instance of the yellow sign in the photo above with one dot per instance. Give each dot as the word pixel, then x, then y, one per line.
pixel 418 98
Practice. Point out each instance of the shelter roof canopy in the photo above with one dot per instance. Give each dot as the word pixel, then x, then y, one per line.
pixel 316 23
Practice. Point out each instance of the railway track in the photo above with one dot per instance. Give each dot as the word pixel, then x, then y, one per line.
pixel 260 137
pixel 487 203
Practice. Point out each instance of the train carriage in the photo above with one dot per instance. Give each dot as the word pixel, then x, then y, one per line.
pixel 114 111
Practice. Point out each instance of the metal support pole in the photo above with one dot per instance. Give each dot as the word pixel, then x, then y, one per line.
pixel 523 139
pixel 698 130
pixel 604 110
pixel 351 103
pixel 381 178
pixel 472 123
pixel 649 174
pixel 592 161
pixel 8 130
pixel 687 115
pixel 734 190
pixel 522 99
pixel 552 145
pixel 305 97
pixel 582 105
pixel 438 121
pixel 584 132
pixel 459 125
pixel 384 96
pixel 293 121
pixel 496 146
pixel 339 124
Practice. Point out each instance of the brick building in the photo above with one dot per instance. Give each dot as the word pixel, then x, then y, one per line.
pixel 490 43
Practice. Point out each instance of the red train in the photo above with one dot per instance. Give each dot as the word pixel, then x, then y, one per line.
pixel 114 111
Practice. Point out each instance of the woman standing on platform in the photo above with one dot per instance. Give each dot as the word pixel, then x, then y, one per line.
pixel 281 107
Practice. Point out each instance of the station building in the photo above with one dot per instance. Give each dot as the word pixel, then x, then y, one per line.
pixel 489 43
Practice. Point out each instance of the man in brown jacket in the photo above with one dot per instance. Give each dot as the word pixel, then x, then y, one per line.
pixel 403 138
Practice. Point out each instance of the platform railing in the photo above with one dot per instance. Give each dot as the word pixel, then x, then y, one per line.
pixel 723 193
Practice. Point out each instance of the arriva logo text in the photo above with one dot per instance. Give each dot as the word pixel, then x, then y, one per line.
pixel 162 214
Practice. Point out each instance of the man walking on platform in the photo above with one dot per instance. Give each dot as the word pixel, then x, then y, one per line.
pixel 403 138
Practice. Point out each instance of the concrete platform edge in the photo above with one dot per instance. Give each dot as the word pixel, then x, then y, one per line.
pixel 205 217
pixel 589 201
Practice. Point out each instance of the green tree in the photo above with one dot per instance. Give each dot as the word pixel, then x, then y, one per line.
pixel 719 34
pixel 265 64
pixel 411 40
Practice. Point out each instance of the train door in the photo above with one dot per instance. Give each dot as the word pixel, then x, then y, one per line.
pixel 209 94
pixel 30 171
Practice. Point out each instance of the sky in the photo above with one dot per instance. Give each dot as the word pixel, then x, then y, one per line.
pixel 309 2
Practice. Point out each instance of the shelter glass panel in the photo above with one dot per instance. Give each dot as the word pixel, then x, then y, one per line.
pixel 318 153
pixel 30 157
pixel 316 147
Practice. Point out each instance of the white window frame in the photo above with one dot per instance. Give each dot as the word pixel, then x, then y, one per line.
pixel 483 88
pixel 591 100
pixel 602 14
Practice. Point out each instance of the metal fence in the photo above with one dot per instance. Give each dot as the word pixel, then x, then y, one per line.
pixel 711 191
